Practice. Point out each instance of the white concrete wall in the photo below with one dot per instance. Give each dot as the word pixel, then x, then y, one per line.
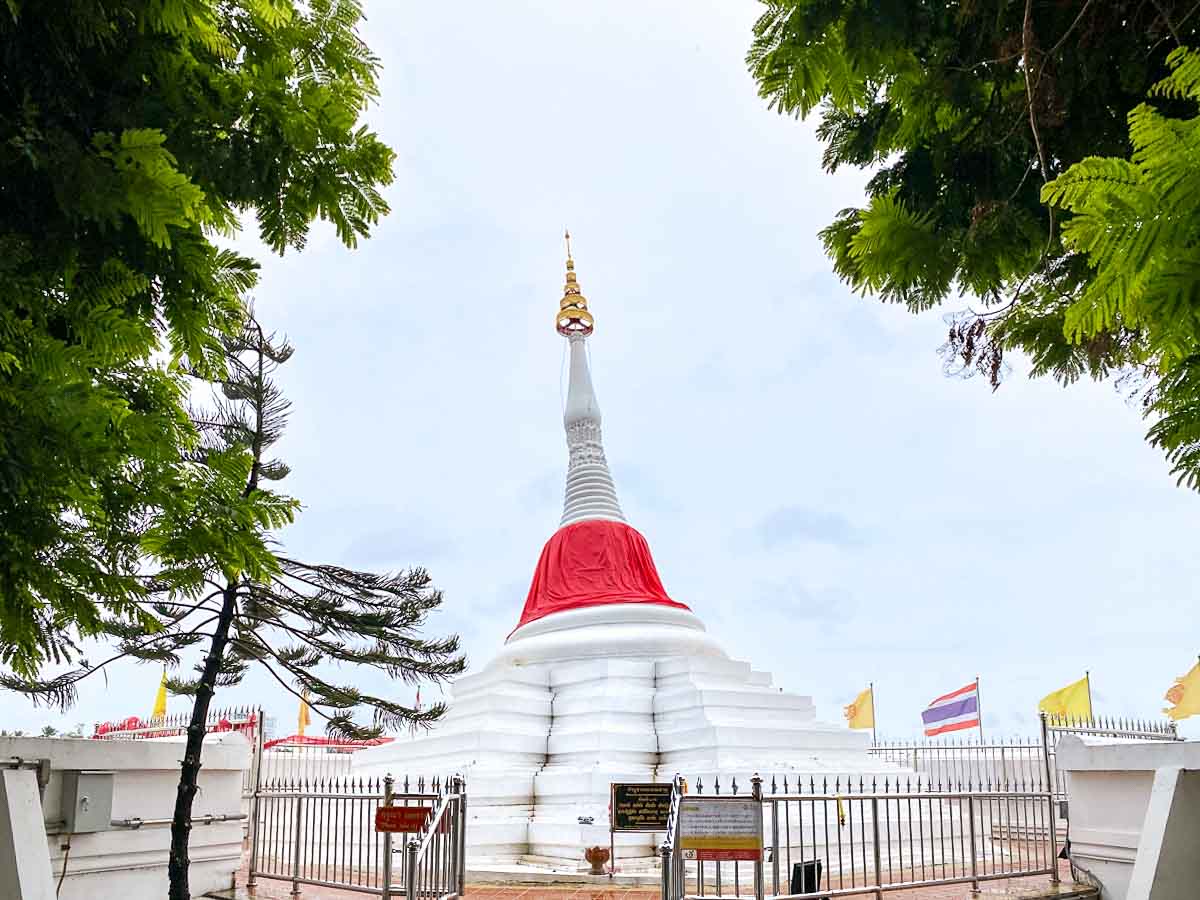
pixel 132 864
pixel 1168 865
pixel 1115 826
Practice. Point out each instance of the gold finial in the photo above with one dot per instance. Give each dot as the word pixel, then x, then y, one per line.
pixel 573 316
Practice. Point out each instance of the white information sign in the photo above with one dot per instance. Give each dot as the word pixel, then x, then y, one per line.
pixel 718 828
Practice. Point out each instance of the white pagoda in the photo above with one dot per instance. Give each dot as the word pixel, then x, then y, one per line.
pixel 605 678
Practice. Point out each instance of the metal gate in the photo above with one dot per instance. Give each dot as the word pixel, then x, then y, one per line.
pixel 1000 764
pixel 845 838
pixel 322 832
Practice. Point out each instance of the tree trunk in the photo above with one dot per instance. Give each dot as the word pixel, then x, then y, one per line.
pixel 181 825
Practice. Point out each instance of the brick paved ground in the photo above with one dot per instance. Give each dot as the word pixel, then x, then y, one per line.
pixel 1036 887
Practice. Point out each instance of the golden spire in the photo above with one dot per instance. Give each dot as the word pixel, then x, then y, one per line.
pixel 573 316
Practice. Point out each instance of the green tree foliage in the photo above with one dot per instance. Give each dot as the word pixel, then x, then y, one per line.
pixel 1137 223
pixel 133 134
pixel 285 615
pixel 965 112
pixel 228 589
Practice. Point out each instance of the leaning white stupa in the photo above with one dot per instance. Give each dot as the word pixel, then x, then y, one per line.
pixel 605 678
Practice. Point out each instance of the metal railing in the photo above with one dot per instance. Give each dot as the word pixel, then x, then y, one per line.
pixel 841 838
pixel 435 861
pixel 952 763
pixel 245 719
pixel 322 832
pixel 1123 729
pixel 999 762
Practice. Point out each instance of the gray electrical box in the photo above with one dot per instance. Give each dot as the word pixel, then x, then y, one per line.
pixel 87 801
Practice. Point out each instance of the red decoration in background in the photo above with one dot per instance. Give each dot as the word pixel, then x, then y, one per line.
pixel 593 563
pixel 306 740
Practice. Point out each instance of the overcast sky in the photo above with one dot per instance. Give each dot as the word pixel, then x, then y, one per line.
pixel 832 507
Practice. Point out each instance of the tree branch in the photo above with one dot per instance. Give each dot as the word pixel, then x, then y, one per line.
pixel 239 642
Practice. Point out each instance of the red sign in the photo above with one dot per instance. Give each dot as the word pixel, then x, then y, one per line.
pixel 406 819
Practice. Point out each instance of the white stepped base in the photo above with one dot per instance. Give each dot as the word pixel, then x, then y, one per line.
pixel 540 742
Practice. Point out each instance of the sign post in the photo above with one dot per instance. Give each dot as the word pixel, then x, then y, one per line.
pixel 388 785
pixel 636 807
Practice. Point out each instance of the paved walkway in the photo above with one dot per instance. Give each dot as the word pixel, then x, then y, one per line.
pixel 1010 889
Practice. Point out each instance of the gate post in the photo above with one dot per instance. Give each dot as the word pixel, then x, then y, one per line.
pixel 297 844
pixel 255 787
pixel 775 844
pixel 388 784
pixel 759 886
pixel 410 864
pixel 460 788
pixel 878 852
pixel 664 853
pixel 971 825
pixel 1050 803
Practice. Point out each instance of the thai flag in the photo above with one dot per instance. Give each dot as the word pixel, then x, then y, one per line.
pixel 953 712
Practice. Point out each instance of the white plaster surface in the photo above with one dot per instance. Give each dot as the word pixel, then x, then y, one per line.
pixel 1167 866
pixel 581 698
pixel 1111 785
pixel 24 861
pixel 132 863
pixel 590 492
pixel 541 742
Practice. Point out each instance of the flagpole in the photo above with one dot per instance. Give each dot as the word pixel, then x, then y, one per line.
pixel 874 738
pixel 979 708
pixel 1087 676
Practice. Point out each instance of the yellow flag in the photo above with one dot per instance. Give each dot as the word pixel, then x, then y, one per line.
pixel 1072 702
pixel 1185 695
pixel 303 721
pixel 861 713
pixel 160 699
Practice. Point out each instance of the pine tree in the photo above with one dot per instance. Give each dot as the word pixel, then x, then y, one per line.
pixel 228 589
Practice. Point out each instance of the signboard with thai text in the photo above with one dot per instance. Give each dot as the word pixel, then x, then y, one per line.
pixel 720 828
pixel 401 819
pixel 640 807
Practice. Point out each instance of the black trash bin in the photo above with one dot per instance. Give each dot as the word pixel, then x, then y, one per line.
pixel 806 877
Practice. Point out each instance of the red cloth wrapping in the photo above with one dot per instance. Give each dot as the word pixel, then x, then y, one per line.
pixel 593 563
